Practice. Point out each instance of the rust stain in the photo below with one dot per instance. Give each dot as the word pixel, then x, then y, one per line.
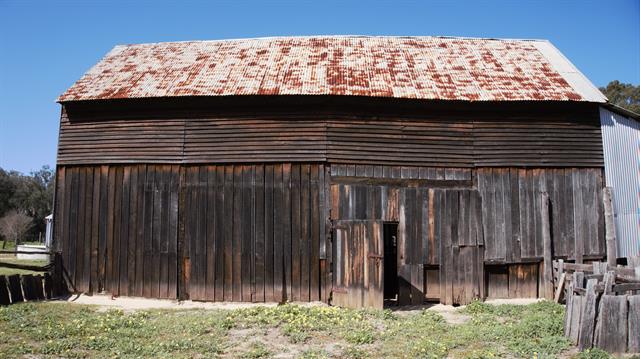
pixel 402 67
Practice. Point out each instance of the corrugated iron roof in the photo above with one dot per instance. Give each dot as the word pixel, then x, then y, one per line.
pixel 437 68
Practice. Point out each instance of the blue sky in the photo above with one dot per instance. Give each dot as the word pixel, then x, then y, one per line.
pixel 46 46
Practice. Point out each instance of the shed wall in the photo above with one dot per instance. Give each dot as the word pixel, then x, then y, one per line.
pixel 377 135
pixel 227 232
pixel 260 232
pixel 621 142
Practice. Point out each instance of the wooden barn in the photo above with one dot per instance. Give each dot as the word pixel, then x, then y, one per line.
pixel 344 169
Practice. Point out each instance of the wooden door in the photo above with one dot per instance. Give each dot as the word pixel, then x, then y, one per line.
pixel 358 266
pixel 461 245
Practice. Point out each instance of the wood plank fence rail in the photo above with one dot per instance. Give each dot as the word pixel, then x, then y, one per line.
pixel 603 305
pixel 19 288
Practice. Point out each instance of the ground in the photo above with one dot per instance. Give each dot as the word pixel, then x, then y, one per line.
pixel 479 330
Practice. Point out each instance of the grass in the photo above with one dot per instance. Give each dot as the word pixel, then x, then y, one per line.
pixel 75 331
pixel 14 260
pixel 11 245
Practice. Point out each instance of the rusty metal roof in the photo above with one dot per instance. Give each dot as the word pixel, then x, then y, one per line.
pixel 438 68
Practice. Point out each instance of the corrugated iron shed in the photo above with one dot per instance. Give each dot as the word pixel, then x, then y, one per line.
pixel 436 68
pixel 621 144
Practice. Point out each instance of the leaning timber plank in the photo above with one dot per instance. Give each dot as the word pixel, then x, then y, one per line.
pixel 15 288
pixel 613 324
pixel 560 288
pixel 38 284
pixel 609 280
pixel 568 312
pixel 633 343
pixel 578 280
pixel 588 316
pixel 28 287
pixel 48 286
pixel 5 298
pixel 574 324
pixel 610 226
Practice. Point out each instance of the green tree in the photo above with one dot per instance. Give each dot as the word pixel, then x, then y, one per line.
pixel 623 95
pixel 31 195
pixel 7 189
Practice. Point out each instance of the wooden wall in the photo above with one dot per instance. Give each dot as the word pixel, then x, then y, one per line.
pixel 510 206
pixel 233 233
pixel 512 212
pixel 438 135
pixel 117 228
pixel 256 232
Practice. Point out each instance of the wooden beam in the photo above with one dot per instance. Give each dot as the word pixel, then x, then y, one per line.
pixel 588 317
pixel 610 226
pixel 560 288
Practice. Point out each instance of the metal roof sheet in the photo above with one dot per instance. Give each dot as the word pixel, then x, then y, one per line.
pixel 437 68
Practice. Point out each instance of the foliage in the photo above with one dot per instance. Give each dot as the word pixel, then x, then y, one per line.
pixel 623 95
pixel 594 353
pixel 69 330
pixel 31 195
pixel 14 226
pixel 257 350
pixel 535 329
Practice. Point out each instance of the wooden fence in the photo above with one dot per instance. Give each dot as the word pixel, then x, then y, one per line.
pixel 603 305
pixel 18 288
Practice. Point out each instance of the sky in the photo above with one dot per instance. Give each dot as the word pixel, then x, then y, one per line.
pixel 45 46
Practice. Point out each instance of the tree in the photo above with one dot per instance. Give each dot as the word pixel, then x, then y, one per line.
pixel 14 225
pixel 31 195
pixel 7 189
pixel 624 95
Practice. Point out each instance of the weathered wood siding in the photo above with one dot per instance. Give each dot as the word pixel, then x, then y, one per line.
pixel 453 136
pixel 255 232
pixel 233 233
pixel 512 212
pixel 230 199
pixel 511 216
pixel 538 142
pixel 117 228
pixel 510 204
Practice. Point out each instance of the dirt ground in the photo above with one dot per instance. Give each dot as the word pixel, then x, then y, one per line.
pixel 128 304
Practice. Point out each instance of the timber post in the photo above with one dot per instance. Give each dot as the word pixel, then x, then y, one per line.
pixel 610 226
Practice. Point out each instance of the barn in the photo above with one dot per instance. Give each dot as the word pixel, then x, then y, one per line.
pixel 351 170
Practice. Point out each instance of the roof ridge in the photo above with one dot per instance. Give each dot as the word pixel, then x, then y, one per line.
pixel 353 36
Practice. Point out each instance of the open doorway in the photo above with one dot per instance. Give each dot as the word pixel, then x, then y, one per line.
pixel 390 234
